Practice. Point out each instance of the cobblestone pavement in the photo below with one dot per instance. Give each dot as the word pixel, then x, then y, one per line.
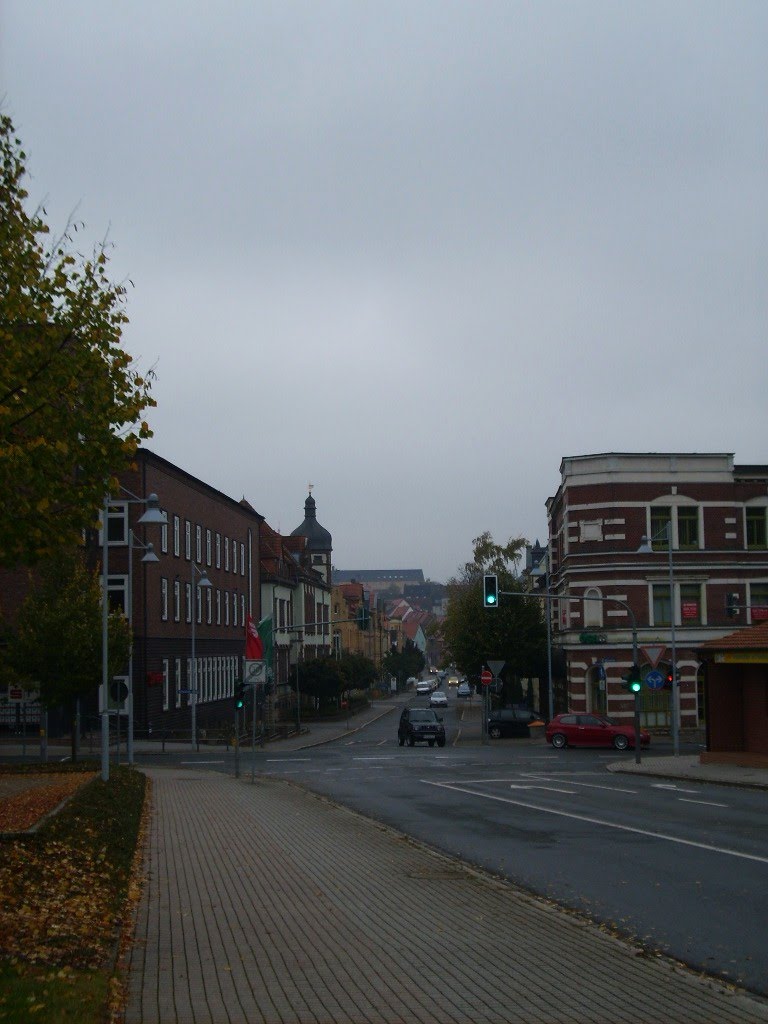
pixel 265 903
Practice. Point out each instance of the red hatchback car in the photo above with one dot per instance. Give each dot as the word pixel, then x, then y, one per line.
pixel 592 731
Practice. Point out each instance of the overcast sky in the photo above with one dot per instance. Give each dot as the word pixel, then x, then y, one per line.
pixel 416 252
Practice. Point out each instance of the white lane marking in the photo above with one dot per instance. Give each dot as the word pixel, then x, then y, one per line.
pixel 547 789
pixel 600 821
pixel 201 762
pixel 671 785
pixel 382 757
pixel 381 744
pixel 589 785
pixel 290 760
pixel 707 803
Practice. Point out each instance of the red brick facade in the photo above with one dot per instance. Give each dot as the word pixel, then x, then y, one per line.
pixel 604 507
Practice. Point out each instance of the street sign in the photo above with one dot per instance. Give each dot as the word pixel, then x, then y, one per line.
pixel 15 693
pixel 486 677
pixel 655 680
pixel 255 672
pixel 653 653
pixel 495 666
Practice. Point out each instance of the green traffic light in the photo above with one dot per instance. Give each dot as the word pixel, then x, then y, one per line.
pixel 635 686
pixel 490 599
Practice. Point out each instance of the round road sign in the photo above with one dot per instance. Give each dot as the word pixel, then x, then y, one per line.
pixel 486 677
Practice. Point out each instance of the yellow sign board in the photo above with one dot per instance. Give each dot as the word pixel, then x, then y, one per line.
pixel 742 658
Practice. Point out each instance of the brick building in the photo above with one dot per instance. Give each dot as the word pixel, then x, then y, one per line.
pixel 207 532
pixel 604 507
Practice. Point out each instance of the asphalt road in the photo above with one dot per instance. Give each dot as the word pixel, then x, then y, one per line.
pixel 682 867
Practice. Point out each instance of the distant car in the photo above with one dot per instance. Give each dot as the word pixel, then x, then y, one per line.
pixel 592 731
pixel 464 690
pixel 420 725
pixel 511 722
pixel 411 681
pixel 438 700
pixel 453 679
pixel 423 686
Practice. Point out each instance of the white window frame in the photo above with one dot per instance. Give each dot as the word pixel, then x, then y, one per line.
pixel 198 543
pixel 177 601
pixel 226 553
pixel 188 595
pixel 164 598
pixel 187 539
pixel 166 680
pixel 207 547
pixel 208 604
pixel 226 607
pixel 218 550
pixel 178 682
pixel 234 556
pixel 164 534
pixel 116 514
pixel 218 607
pixel 176 536
pixel 242 559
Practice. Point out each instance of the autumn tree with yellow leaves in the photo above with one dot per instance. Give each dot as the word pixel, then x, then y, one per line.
pixel 71 397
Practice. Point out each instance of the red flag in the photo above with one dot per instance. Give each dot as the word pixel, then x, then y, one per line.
pixel 254 646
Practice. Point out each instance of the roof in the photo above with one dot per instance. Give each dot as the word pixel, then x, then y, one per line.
pixel 318 538
pixel 378 575
pixel 749 639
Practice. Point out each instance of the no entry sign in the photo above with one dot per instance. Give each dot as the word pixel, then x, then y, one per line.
pixel 486 677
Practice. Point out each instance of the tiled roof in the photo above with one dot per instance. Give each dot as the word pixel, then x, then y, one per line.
pixel 751 638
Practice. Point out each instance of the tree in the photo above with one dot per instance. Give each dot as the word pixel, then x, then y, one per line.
pixel 56 647
pixel 71 398
pixel 515 632
pixel 406 663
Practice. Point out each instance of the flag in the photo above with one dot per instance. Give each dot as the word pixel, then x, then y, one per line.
pixel 254 645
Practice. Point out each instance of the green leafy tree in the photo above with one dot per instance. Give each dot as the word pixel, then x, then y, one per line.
pixel 71 399
pixel 56 646
pixel 356 672
pixel 515 632
pixel 320 678
pixel 403 664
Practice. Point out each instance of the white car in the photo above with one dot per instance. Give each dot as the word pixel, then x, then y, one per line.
pixel 438 700
pixel 423 686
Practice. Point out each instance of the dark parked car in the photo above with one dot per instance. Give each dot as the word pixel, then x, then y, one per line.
pixel 420 725
pixel 511 722
pixel 592 731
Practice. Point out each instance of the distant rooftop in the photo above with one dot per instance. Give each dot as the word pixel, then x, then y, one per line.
pixel 378 575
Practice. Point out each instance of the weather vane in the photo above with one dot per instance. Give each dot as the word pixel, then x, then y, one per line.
pixel 310 486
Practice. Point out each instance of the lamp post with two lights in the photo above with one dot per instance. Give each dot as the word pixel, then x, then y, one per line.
pixel 203 582
pixel 153 515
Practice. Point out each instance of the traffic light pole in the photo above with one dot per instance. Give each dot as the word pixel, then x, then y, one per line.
pixel 615 600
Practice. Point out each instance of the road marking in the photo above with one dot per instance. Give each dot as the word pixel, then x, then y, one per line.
pixel 547 789
pixel 201 762
pixel 290 760
pixel 707 803
pixel 600 821
pixel 593 785
pixel 383 757
pixel 671 785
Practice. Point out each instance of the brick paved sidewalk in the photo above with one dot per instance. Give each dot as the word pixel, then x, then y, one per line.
pixel 265 903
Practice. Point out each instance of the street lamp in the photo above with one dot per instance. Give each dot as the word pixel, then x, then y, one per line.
pixel 646 548
pixel 153 515
pixel 149 557
pixel 539 572
pixel 204 582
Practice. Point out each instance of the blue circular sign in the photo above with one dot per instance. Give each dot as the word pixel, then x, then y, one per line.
pixel 654 680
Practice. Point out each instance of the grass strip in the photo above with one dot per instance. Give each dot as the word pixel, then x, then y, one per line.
pixel 62 892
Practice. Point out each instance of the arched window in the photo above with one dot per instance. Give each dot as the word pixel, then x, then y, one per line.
pixel 593 609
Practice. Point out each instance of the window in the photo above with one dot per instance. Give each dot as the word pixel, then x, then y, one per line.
pixel 593 608
pixel 164 535
pixel 218 607
pixel 208 604
pixel 758 602
pixel 188 595
pixel 176 600
pixel 176 536
pixel 234 609
pixel 177 684
pixel 117 594
pixel 207 547
pixel 242 609
pixel 234 556
pixel 187 539
pixel 661 605
pixel 690 604
pixel 226 554
pixel 661 515
pixel 199 600
pixel 117 524
pixel 688 526
pixel 164 599
pixel 166 680
pixel 218 550
pixel 756 531
pixel 226 607
pixel 242 559
pixel 198 544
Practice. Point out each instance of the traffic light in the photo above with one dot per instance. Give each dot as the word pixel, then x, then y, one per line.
pixel 632 680
pixel 490 590
pixel 730 605
pixel 239 695
pixel 669 679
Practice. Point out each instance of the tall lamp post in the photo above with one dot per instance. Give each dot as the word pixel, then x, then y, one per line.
pixel 646 548
pixel 153 515
pixel 149 557
pixel 204 582
pixel 539 572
